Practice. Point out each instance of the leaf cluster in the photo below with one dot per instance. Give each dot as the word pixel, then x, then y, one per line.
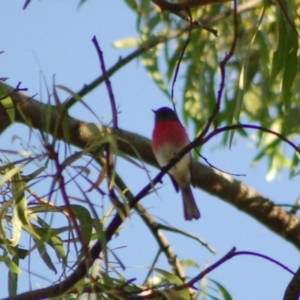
pixel 262 78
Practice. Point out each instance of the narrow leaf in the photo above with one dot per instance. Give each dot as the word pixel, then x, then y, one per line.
pixel 13 277
pixel 46 258
pixel 8 105
pixel 222 290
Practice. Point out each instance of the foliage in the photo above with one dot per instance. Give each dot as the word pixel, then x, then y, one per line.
pixel 263 89
pixel 263 78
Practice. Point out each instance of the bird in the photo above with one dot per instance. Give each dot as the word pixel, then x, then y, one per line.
pixel 168 138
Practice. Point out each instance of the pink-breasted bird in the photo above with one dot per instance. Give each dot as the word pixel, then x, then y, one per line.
pixel 168 138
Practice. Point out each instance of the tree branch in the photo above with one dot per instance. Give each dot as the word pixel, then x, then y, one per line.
pixel 292 291
pixel 212 181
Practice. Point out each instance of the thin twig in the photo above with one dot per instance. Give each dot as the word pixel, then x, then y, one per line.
pixel 223 75
pixel 122 62
pixel 232 253
pixel 160 238
pixel 180 58
pixel 107 83
pixel 59 178
pixel 149 45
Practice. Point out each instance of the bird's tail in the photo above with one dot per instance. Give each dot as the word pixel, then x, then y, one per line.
pixel 189 205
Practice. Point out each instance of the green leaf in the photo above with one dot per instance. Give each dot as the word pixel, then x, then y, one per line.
pixel 150 61
pixel 295 162
pixel 189 263
pixel 290 69
pixel 4 241
pixel 132 4
pixel 85 221
pixel 46 257
pixel 243 78
pixel 173 279
pixel 285 57
pixel 51 237
pixel 19 203
pixel 13 277
pixel 187 234
pixel 82 2
pixel 11 264
pixel 222 290
pixel 8 105
pixel 126 43
pixel 172 61
pixel 276 161
pixel 20 217
pixel 267 150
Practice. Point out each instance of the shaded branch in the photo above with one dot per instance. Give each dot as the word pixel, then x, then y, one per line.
pixel 184 5
pixel 292 291
pixel 212 181
pixel 33 113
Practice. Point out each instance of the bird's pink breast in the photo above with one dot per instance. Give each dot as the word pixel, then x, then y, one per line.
pixel 169 137
pixel 170 133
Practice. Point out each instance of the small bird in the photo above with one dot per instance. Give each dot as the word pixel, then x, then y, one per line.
pixel 168 138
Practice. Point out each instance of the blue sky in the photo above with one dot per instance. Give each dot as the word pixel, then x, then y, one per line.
pixel 55 37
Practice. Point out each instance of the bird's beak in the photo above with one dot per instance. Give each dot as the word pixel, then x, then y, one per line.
pixel 153 110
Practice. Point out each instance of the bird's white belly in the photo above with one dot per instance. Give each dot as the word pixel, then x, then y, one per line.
pixel 181 171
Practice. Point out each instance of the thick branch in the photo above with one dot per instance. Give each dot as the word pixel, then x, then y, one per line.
pixel 176 7
pixel 292 291
pixel 214 182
